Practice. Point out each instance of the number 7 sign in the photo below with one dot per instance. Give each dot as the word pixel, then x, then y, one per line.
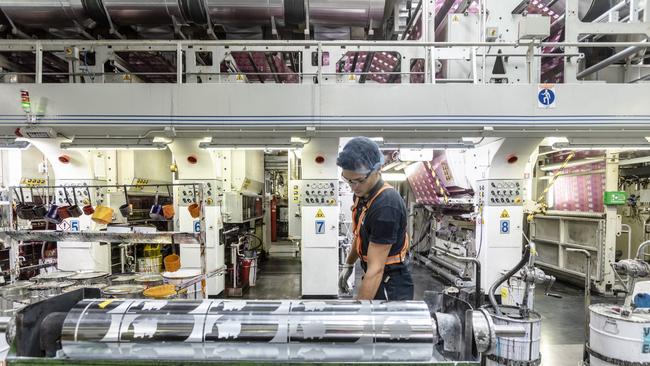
pixel 320 227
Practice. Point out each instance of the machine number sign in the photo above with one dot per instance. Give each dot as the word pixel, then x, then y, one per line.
pixel 546 97
pixel 197 226
pixel 504 226
pixel 320 227
pixel 74 225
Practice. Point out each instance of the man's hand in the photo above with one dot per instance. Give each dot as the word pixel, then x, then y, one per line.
pixel 344 275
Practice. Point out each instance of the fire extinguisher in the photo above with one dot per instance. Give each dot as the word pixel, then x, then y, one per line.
pixel 274 219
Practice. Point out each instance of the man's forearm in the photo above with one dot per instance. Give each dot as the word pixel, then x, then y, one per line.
pixel 370 284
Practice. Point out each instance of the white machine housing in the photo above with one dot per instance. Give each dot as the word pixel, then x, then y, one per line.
pixel 295 224
pixel 499 226
pixel 190 253
pixel 240 207
pixel 80 256
pixel 320 218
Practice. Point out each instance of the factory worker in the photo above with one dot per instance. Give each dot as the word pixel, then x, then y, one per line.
pixel 379 225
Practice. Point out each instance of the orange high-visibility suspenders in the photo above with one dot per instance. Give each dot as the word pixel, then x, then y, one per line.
pixel 356 224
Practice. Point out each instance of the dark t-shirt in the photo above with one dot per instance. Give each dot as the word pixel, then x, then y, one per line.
pixel 385 222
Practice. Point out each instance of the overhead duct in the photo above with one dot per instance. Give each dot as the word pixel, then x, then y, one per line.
pixel 44 13
pixel 360 13
pixel 138 12
pixel 245 12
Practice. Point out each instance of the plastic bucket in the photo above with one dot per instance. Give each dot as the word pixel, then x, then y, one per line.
pixel 172 263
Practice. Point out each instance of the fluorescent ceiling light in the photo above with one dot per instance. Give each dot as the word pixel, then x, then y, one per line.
pixel 393 177
pixel 432 143
pixel 162 140
pixel 14 145
pixel 614 146
pixel 251 144
pixel 116 144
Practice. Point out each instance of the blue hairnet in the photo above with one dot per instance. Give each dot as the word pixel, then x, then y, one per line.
pixel 361 155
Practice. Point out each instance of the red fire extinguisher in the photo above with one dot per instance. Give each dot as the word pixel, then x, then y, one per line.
pixel 274 219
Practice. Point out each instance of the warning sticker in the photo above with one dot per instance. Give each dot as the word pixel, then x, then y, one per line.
pixel 320 214
pixel 505 214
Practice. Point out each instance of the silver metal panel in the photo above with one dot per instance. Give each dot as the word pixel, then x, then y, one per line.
pixel 143 12
pixel 347 12
pixel 37 13
pixel 433 111
pixel 249 12
pixel 272 330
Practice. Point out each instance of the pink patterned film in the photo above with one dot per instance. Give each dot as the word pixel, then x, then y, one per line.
pixel 381 63
pixel 583 192
pixel 247 62
pixel 422 183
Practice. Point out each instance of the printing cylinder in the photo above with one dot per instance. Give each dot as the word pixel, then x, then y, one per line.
pixel 232 330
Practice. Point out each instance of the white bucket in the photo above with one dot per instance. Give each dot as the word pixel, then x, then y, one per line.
pixel 512 293
pixel 618 337
pixel 526 348
pixel 182 276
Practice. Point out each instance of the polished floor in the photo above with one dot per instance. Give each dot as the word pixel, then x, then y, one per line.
pixel 562 319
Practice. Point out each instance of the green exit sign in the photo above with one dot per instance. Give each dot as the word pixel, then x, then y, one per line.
pixel 615 198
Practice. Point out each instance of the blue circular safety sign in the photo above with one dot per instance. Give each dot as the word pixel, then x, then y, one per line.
pixel 546 97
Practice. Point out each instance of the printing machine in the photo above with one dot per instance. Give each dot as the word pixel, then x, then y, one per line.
pixel 86 69
pixel 78 327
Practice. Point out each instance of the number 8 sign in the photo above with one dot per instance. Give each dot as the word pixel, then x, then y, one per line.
pixel 504 227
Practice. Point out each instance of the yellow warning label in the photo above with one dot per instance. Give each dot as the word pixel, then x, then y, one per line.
pixel 504 293
pixel 505 214
pixel 352 77
pixel 105 304
pixel 455 19
pixel 320 214
pixel 240 77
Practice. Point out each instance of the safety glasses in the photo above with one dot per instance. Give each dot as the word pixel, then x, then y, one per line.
pixel 356 181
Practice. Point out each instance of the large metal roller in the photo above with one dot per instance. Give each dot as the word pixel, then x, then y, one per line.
pixel 231 330
pixel 64 13
pixel 144 12
pixel 245 12
pixel 360 13
pixel 45 13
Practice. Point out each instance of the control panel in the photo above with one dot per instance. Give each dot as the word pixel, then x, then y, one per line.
pixel 501 192
pixel 81 191
pixel 319 192
pixel 188 194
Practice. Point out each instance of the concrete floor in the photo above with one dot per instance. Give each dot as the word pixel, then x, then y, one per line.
pixel 562 319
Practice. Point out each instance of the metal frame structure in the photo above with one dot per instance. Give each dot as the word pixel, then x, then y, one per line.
pixel 16 237
pixel 603 249
pixel 309 72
